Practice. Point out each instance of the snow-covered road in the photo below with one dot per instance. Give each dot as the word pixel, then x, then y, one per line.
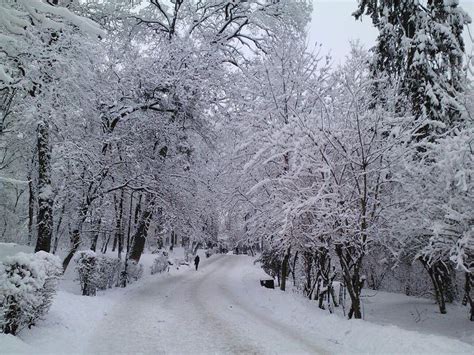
pixel 207 311
pixel 219 309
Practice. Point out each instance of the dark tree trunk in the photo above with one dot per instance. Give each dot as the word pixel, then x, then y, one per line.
pixel 114 244
pixel 293 268
pixel 324 266
pixel 119 225
pixel 355 310
pixel 138 209
pixel 75 242
pixel 58 226
pixel 284 270
pixel 31 208
pixel 308 265
pixel 56 243
pixel 435 271
pixel 106 244
pixel 467 294
pixel 45 192
pixel 76 234
pixel 139 238
pixel 172 239
pixel 95 237
pixel 351 274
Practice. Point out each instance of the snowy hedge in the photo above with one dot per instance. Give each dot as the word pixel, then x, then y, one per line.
pixel 100 272
pixel 160 264
pixel 27 286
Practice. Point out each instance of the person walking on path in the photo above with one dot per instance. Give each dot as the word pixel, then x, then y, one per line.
pixel 196 261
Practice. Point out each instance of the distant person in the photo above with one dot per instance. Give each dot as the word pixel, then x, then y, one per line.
pixel 196 261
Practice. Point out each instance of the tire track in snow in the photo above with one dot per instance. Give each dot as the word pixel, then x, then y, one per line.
pixel 285 338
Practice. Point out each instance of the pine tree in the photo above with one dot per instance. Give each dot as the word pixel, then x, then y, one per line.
pixel 420 49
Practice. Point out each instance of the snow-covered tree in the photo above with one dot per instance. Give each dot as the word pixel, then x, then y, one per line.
pixel 421 49
pixel 34 46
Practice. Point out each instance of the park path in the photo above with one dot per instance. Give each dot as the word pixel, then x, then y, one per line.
pixel 204 311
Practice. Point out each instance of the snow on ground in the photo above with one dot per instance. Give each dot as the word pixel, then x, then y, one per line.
pixel 70 323
pixel 221 308
pixel 418 314
pixel 10 344
pixel 355 336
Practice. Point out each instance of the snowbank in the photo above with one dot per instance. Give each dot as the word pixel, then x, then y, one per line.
pixel 342 335
pixel 10 344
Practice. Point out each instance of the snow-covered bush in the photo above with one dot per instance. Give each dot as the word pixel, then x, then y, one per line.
pixel 160 264
pixel 87 270
pixel 108 272
pixel 100 272
pixel 27 286
pixel 53 269
pixel 134 271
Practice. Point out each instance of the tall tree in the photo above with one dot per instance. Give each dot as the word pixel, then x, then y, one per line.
pixel 420 48
pixel 33 30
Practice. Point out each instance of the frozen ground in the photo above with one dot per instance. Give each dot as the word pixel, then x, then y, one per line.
pixel 418 314
pixel 222 309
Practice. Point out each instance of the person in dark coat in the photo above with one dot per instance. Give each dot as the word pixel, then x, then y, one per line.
pixel 196 261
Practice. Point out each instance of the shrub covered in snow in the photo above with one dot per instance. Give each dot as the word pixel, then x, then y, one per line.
pixel 87 270
pixel 134 271
pixel 53 270
pixel 27 286
pixel 99 272
pixel 160 264
pixel 108 272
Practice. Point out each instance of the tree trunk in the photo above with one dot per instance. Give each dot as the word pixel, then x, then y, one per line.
pixel 58 226
pixel 293 268
pixel 76 234
pixel 436 279
pixel 355 310
pixel 31 208
pixel 308 265
pixel 75 242
pixel 138 209
pixel 467 295
pixel 284 270
pixel 139 238
pixel 119 225
pixel 438 291
pixel 95 237
pixel 352 279
pixel 45 192
pixel 114 244
pixel 172 239
pixel 106 244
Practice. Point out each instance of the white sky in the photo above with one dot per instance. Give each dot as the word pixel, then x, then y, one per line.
pixel 333 27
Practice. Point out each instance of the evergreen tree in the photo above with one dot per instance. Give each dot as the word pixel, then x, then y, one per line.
pixel 420 49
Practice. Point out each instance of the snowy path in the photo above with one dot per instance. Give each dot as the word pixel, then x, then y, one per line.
pixel 204 311
pixel 219 309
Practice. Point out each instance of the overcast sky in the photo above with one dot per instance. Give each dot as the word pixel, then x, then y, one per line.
pixel 333 26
